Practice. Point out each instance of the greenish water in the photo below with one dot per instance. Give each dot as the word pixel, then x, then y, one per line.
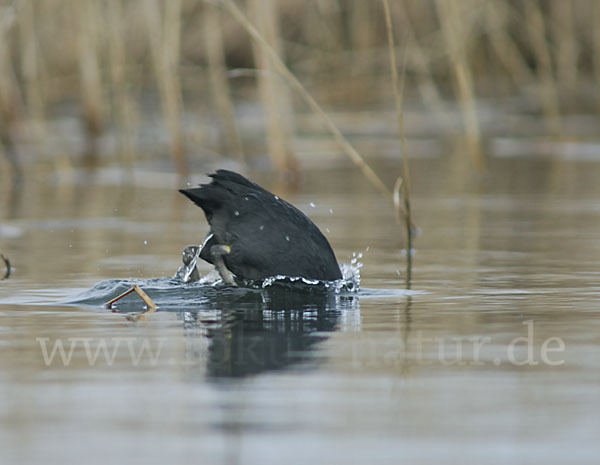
pixel 382 376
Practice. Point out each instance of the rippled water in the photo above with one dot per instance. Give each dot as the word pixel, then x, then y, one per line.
pixel 491 357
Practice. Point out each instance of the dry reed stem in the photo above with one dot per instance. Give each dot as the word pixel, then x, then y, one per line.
pixel 89 69
pixel 310 101
pixel 322 29
pixel 274 95
pixel 435 46
pixel 417 58
pixel 163 41
pixel 30 71
pixel 361 14
pixel 215 53
pixel 11 101
pixel 398 91
pixel 453 32
pixel 122 102
pixel 548 90
pixel 504 45
pixel 567 50
pixel 398 87
pixel 596 48
pixel 405 213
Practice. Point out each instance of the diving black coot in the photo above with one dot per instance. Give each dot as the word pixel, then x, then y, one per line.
pixel 255 235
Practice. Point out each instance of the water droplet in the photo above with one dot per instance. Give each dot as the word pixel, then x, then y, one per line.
pixel 287 238
pixel 236 213
pixel 331 210
pixel 145 242
pixel 312 204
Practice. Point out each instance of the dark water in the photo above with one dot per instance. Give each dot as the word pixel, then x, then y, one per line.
pixel 381 376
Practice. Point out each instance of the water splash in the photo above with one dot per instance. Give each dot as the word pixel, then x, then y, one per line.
pixel 184 272
pixel 350 281
pixel 181 291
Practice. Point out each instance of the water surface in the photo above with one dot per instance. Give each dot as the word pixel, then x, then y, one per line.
pixel 382 376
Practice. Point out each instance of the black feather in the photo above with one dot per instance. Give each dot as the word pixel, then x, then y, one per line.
pixel 267 235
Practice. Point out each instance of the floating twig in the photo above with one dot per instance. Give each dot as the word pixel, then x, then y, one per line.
pixel 135 288
pixel 6 264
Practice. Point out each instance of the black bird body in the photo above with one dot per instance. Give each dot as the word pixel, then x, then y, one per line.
pixel 262 234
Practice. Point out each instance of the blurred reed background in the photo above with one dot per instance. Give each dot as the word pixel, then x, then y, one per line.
pixel 127 81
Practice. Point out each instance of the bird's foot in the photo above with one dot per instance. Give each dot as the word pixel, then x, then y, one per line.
pixel 217 252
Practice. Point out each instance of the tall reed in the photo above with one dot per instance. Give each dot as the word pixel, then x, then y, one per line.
pixel 404 182
pixel 88 38
pixel 97 53
pixel 567 47
pixel 547 89
pixel 504 46
pixel 163 32
pixel 11 102
pixel 596 49
pixel 122 102
pixel 221 96
pixel 30 70
pixel 275 98
pixel 453 32
pixel 310 101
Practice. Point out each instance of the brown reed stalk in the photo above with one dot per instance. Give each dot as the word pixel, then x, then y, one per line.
pixel 504 46
pixel 282 69
pixel 361 17
pixel 417 58
pixel 548 89
pixel 220 93
pixel 322 26
pixel 11 101
pixel 164 44
pixel 566 46
pixel 275 97
pixel 30 63
pixel 89 72
pixel 398 87
pixel 453 32
pixel 595 20
pixel 121 98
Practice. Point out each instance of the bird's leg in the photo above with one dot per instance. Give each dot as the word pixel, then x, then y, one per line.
pixel 217 252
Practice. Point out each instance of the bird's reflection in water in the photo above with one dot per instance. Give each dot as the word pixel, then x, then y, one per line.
pixel 262 331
